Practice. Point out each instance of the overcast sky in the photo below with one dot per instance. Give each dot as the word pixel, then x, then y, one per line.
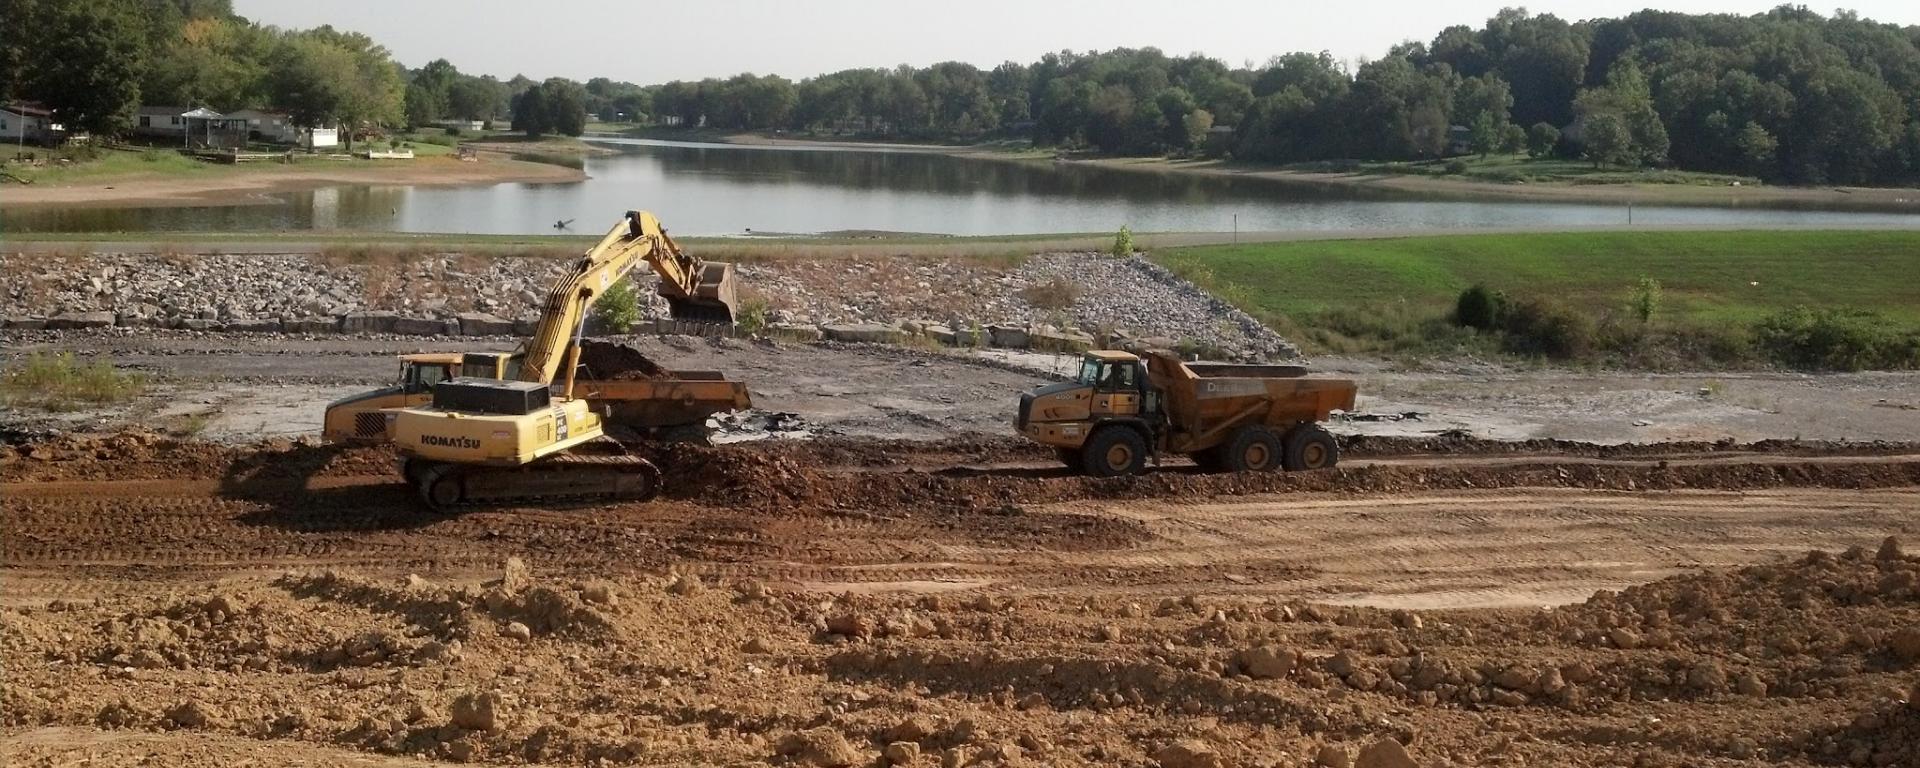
pixel 656 42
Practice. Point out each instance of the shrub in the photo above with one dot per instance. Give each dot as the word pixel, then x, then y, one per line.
pixel 1479 308
pixel 1837 339
pixel 452 131
pixel 1456 167
pixel 619 308
pixel 1056 294
pixel 1536 327
pixel 1645 299
pixel 1123 242
pixel 754 316
pixel 59 383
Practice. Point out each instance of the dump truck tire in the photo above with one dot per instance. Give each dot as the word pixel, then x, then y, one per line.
pixel 1310 447
pixel 1072 457
pixel 1114 452
pixel 1253 449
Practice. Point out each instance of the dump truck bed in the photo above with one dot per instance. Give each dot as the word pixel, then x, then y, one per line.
pixel 1210 400
pixel 679 398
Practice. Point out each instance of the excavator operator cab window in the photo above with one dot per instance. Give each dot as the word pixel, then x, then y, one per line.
pixel 417 378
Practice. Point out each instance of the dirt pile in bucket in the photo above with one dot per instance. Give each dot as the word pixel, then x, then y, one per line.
pixel 619 362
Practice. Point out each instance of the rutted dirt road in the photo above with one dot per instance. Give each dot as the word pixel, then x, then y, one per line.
pixel 838 604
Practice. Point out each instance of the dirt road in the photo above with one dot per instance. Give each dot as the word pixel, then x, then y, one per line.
pixel 848 602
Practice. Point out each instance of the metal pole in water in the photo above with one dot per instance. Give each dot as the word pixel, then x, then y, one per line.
pixel 1236 229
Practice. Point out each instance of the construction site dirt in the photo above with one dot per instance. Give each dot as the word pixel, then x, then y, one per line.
pixel 916 587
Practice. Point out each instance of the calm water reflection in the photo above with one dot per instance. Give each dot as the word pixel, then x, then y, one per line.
pixel 714 189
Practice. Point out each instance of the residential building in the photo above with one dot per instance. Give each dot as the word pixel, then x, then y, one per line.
pixel 25 122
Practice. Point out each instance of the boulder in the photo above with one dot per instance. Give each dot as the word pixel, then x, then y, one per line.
pixel 24 323
pixel 421 326
pixel 870 333
pixel 1384 753
pixel 254 325
pixel 374 321
pixel 69 320
pixel 200 324
pixel 1049 340
pixel 525 326
pixel 1009 337
pixel 792 332
pixel 483 324
pixel 311 324
pixel 942 334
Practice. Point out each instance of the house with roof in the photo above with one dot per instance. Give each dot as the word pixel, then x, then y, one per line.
pixel 278 128
pixel 197 128
pixel 25 121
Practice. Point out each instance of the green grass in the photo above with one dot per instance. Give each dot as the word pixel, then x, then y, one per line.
pixel 1737 276
pixel 57 382
pixel 113 162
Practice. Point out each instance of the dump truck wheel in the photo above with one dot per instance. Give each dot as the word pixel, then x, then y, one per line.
pixel 1071 457
pixel 1114 452
pixel 1254 449
pixel 1310 447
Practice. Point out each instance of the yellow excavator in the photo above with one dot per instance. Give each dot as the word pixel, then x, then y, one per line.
pixel 522 432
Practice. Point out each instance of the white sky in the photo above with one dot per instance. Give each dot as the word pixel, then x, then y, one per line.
pixel 648 42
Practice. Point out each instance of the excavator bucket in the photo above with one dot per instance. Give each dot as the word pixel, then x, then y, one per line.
pixel 715 298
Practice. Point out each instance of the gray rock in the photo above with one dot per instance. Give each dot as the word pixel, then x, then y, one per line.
pixel 942 334
pixel 374 321
pixel 1009 337
pixel 482 324
pixel 69 320
pixel 870 333
pixel 420 326
pixel 254 325
pixel 793 332
pixel 311 324
pixel 199 324
pixel 24 323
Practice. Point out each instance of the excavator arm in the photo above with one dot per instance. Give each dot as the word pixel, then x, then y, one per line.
pixel 694 290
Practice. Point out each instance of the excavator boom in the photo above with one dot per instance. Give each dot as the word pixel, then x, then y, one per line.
pixel 694 289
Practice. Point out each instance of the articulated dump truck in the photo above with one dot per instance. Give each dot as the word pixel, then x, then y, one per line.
pixel 1124 409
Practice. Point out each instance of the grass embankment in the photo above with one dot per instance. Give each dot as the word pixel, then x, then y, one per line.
pixel 57 382
pixel 1722 298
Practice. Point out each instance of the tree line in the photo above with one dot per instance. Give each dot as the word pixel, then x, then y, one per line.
pixel 1788 95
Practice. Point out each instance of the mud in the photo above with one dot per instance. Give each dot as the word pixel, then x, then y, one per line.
pixel 608 360
pixel 1807 661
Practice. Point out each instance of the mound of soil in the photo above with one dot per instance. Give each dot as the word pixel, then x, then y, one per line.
pixel 618 362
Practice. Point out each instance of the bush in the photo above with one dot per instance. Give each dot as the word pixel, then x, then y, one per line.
pixel 1123 242
pixel 452 131
pixel 1056 294
pixel 1645 299
pixel 1456 167
pixel 57 382
pixel 1479 308
pixel 1837 339
pixel 619 308
pixel 754 316
pixel 1536 327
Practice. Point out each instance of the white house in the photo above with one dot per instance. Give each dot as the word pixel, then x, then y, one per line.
pixel 160 121
pixel 277 127
pixel 20 121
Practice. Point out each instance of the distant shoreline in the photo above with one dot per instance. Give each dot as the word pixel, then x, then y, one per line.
pixel 241 185
pixel 1894 200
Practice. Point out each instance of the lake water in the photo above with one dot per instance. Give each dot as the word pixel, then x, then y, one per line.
pixel 719 189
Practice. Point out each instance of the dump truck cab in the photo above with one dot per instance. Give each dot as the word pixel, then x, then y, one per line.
pixel 358 418
pixel 1122 410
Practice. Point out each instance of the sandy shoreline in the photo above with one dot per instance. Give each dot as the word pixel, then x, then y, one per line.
pixel 244 185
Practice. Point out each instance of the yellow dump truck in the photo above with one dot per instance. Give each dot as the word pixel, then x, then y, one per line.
pixel 1124 409
pixel 664 405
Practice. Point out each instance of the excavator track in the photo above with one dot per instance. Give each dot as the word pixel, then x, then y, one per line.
pixel 569 478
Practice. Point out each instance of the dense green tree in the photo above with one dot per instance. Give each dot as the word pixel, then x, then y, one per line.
pixel 84 61
pixel 531 114
pixel 1626 98
pixel 1541 139
pixel 1607 140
